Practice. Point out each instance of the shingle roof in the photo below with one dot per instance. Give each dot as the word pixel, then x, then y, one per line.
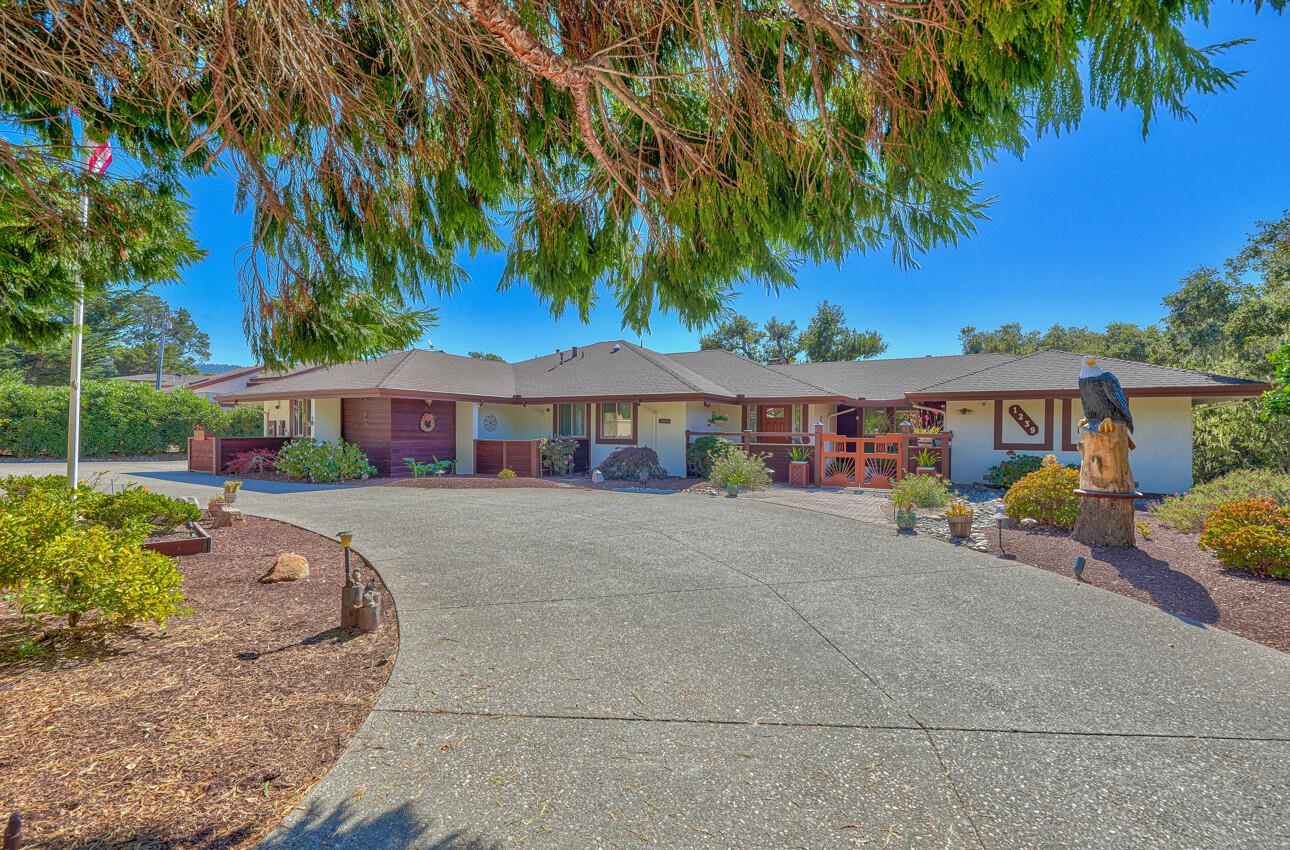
pixel 623 370
pixel 1058 371
pixel 741 376
pixel 891 378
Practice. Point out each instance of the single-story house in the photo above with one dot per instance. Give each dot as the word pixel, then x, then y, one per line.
pixel 487 415
pixel 232 380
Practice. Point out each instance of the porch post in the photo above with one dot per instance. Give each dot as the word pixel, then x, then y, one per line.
pixel 748 439
pixel 819 453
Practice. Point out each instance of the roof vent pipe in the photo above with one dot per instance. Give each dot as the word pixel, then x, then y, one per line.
pixel 574 351
pixel 615 349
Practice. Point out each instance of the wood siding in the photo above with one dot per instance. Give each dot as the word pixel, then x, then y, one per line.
pixel 389 430
pixel 520 456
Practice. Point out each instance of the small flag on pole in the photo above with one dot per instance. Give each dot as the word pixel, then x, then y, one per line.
pixel 100 159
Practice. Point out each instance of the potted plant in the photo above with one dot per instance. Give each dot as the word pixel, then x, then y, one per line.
pixel 230 490
pixel 926 461
pixel 959 516
pixel 717 419
pixel 799 466
pixel 906 518
pixel 216 505
pixel 201 432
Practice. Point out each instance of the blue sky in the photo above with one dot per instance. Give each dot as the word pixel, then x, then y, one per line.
pixel 1096 212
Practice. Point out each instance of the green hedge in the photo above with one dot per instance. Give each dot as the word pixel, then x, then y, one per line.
pixel 117 418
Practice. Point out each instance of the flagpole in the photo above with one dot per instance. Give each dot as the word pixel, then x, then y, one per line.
pixel 78 331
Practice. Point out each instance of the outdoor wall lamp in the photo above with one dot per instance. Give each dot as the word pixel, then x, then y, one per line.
pixel 965 411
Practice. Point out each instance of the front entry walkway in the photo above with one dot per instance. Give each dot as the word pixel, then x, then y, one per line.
pixel 594 669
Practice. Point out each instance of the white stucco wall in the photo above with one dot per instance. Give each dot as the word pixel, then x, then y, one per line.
pixel 276 410
pixel 327 419
pixel 696 417
pixel 515 421
pixel 466 427
pixel 1162 431
pixel 661 427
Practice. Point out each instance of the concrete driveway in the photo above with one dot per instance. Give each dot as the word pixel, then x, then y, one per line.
pixel 592 670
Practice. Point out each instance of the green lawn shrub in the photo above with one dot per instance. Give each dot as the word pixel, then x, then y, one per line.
pixel 117 418
pixel 628 464
pixel 1189 511
pixel 317 461
pixel 925 491
pixel 1012 469
pixel 1046 495
pixel 745 470
pixel 699 454
pixel 1253 534
pixel 58 558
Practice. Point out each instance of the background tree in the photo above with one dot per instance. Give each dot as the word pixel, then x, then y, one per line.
pixel 662 152
pixel 480 355
pixel 1234 321
pixel 121 338
pixel 783 344
pixel 827 338
pixel 736 333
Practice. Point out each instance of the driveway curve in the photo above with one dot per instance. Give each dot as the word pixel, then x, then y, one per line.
pixel 587 669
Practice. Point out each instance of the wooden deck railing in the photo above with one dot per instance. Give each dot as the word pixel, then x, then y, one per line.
pixel 838 460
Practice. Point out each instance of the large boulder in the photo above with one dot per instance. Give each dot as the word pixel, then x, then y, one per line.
pixel 287 567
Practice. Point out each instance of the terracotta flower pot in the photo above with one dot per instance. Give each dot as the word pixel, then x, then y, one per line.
pixel 799 473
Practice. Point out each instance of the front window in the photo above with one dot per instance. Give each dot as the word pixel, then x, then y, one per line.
pixel 616 421
pixel 302 417
pixel 571 420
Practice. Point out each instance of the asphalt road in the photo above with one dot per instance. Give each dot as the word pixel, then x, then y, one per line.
pixel 591 670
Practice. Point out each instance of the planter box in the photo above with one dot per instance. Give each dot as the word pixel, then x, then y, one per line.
pixel 198 544
pixel 960 526
pixel 799 473
pixel 926 470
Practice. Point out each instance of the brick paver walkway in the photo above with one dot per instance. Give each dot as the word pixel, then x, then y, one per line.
pixel 860 505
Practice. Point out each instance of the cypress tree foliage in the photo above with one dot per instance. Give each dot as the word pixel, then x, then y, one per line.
pixel 664 151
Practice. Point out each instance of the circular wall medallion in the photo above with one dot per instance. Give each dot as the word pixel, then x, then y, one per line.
pixel 490 422
pixel 427 422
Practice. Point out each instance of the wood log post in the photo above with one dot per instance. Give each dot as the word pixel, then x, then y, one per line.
pixel 369 612
pixel 351 597
pixel 13 832
pixel 1107 489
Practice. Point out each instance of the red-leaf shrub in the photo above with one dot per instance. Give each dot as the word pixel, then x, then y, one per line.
pixel 1250 535
pixel 255 460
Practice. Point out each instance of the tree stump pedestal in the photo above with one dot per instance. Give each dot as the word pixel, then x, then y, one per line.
pixel 1106 489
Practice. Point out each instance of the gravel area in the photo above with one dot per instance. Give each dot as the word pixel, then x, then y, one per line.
pixel 1169 571
pixel 202 735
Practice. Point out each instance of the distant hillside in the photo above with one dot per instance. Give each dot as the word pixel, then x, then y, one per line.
pixel 216 368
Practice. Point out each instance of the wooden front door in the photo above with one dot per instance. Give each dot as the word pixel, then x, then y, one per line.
pixel 774 418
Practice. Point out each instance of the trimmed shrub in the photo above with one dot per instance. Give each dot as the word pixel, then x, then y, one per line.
pixel 627 464
pixel 925 491
pixel 57 560
pixel 506 473
pixel 314 460
pixel 699 454
pixel 251 461
pixel 1012 470
pixel 1253 534
pixel 1046 495
pixel 736 466
pixel 1188 512
pixel 557 454
pixel 117 418
pixel 136 507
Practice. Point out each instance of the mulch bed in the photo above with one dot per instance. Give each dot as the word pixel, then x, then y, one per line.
pixel 200 736
pixel 1170 572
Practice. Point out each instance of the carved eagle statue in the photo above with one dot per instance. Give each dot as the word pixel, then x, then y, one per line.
pixel 1102 397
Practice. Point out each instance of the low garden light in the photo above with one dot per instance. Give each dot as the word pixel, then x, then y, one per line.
pixel 999 517
pixel 351 593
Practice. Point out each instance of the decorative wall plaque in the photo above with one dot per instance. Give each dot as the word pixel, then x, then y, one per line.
pixel 490 422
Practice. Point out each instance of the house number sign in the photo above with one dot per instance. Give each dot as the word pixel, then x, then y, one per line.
pixel 1023 419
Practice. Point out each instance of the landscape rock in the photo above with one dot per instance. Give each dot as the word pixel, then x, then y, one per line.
pixel 287 567
pixel 597 477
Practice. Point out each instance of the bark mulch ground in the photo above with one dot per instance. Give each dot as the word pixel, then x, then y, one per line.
pixel 200 736
pixel 1167 570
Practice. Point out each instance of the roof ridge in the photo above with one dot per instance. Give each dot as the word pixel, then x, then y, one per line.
pixel 389 373
pixel 662 361
pixel 1011 359
pixel 1152 365
pixel 769 367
